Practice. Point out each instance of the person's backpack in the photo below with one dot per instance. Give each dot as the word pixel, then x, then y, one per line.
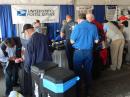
pixel 18 46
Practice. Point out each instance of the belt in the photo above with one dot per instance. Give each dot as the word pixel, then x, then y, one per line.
pixel 81 49
pixel 77 49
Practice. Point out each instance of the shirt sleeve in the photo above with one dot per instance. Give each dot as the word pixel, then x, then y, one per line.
pixel 74 34
pixel 28 56
pixel 63 29
pixel 2 57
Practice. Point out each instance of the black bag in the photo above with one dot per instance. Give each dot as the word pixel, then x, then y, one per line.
pixel 58 45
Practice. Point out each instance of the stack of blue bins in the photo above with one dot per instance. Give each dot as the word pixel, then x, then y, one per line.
pixel 37 73
pixel 59 82
pixel 54 81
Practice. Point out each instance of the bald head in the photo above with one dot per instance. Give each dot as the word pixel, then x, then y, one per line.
pixel 90 17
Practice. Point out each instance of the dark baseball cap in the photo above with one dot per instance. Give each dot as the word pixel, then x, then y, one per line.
pixel 27 26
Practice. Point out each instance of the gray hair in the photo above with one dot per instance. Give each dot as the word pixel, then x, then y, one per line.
pixel 90 17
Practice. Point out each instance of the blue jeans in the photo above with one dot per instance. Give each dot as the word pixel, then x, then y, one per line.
pixel 11 76
pixel 83 61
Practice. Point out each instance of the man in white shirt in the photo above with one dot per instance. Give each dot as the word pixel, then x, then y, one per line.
pixel 7 59
pixel 117 44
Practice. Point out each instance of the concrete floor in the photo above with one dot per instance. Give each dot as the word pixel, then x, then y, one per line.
pixel 110 84
pixel 113 83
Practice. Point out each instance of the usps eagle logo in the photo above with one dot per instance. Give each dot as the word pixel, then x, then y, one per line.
pixel 21 12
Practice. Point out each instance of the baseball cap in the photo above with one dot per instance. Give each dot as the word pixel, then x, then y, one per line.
pixel 27 26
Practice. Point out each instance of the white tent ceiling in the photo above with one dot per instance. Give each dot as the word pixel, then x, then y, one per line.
pixel 34 2
pixel 102 2
pixel 77 2
pixel 90 2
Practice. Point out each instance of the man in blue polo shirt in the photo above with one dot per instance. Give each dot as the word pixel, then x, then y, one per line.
pixel 83 38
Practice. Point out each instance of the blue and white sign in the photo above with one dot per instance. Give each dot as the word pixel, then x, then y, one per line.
pixel 28 14
pixel 21 12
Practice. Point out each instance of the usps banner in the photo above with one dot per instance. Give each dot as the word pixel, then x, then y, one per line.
pixel 28 14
